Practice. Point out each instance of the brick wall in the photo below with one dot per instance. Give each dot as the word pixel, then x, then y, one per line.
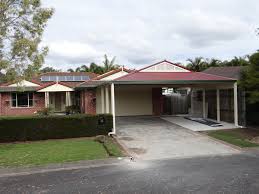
pixel 7 109
pixel 88 101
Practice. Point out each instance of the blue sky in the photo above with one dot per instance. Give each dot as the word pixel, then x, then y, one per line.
pixel 141 32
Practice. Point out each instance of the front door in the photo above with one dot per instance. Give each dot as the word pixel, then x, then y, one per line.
pixel 58 101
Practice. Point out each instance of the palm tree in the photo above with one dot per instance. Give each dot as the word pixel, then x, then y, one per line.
pixel 197 64
pixel 109 65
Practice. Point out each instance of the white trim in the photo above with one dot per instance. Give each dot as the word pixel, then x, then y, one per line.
pixel 164 66
pixel 113 107
pixel 56 88
pixel 46 99
pixel 24 83
pixel 102 99
pixel 107 103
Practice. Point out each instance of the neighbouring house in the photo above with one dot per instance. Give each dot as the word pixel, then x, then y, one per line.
pixel 55 89
pixel 123 92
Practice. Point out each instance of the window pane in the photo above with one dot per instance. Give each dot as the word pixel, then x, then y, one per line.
pixel 30 99
pixel 13 99
pixel 22 99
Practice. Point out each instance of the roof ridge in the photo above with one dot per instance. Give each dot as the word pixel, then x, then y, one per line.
pixel 167 62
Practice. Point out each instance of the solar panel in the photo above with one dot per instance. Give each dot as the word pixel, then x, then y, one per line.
pixel 75 78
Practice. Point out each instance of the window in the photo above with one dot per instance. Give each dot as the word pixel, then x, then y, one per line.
pixel 22 99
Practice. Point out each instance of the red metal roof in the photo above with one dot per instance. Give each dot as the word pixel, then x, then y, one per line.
pixel 172 76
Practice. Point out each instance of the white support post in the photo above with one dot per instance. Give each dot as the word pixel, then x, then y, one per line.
pixel 102 99
pixel 107 103
pixel 235 105
pixel 68 99
pixel 218 105
pixel 113 107
pixel 46 99
pixel 204 103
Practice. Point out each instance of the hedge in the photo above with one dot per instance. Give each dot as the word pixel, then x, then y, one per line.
pixel 53 127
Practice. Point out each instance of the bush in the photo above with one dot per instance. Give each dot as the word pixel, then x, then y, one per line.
pixel 53 127
pixel 74 109
pixel 45 111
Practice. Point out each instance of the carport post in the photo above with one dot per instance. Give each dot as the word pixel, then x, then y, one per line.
pixel 235 104
pixel 102 98
pixel 107 103
pixel 218 105
pixel 113 107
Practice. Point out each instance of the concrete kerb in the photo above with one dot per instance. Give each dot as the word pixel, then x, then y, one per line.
pixel 20 171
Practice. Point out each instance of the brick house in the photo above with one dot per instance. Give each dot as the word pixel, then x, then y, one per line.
pixel 120 92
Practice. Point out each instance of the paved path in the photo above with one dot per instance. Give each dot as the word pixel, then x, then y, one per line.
pixel 155 138
pixel 221 174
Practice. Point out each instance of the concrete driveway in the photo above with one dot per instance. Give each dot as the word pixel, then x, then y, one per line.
pixel 154 138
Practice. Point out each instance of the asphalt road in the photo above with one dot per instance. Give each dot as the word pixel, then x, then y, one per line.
pixel 220 174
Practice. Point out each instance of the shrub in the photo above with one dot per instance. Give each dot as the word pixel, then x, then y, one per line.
pixel 45 111
pixel 74 109
pixel 53 127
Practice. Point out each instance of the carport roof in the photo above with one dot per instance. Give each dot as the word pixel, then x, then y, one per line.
pixel 172 76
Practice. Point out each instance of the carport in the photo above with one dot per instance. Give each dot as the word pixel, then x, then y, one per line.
pixel 140 93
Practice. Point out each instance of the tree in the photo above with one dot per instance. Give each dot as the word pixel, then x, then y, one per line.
pixel 197 64
pixel 22 23
pixel 237 61
pixel 109 65
pixel 250 79
pixel 98 69
pixel 49 69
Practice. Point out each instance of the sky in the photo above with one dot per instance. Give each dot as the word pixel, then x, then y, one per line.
pixel 143 32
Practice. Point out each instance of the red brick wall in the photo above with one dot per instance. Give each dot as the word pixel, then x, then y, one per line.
pixel 7 109
pixel 157 101
pixel 88 101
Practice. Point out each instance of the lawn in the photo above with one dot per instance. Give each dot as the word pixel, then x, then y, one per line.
pixel 238 137
pixel 55 151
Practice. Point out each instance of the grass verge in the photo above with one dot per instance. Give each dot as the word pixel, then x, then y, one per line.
pixel 233 137
pixel 54 151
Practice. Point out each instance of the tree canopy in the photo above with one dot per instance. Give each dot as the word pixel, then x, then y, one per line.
pixel 200 63
pixel 22 23
pixel 107 65
pixel 250 79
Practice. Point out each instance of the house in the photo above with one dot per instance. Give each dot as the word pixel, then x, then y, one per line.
pixel 120 92
pixel 55 89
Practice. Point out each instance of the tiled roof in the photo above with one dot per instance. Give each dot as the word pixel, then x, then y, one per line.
pixel 112 72
pixel 231 72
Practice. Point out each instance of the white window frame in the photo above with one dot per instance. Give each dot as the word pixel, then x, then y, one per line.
pixel 28 101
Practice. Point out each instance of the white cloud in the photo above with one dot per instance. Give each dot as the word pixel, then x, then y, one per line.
pixel 143 32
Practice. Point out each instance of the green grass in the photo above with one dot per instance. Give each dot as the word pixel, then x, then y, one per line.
pixel 233 138
pixel 52 151
pixel 112 148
